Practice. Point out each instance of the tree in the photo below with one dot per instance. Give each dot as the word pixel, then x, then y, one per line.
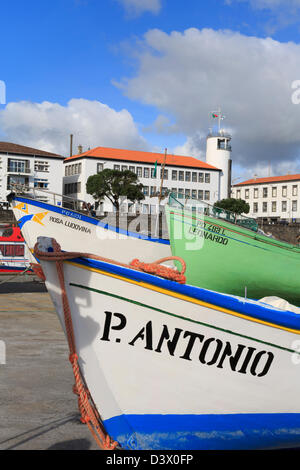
pixel 238 206
pixel 113 184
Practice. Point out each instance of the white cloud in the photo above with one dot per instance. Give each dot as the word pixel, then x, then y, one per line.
pixel 187 75
pixel 273 4
pixel 138 7
pixel 281 13
pixel 48 126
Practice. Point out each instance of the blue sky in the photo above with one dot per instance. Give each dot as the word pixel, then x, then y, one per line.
pixel 156 68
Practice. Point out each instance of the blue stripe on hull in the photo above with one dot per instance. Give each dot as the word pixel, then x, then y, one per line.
pixel 260 311
pixel 84 218
pixel 206 432
pixel 12 268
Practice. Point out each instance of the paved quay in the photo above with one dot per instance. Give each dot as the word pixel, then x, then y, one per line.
pixel 38 410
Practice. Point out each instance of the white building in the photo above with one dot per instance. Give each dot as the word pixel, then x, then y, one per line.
pixel 271 198
pixel 185 176
pixel 30 167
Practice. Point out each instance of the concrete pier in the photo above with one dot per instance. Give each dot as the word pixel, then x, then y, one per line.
pixel 38 410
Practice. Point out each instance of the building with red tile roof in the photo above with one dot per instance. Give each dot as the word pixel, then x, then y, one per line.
pixel 137 156
pixel 269 179
pixel 271 198
pixel 187 176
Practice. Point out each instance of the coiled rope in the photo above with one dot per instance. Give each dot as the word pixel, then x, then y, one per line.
pixel 88 410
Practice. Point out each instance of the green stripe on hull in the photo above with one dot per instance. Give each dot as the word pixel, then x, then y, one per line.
pixel 233 260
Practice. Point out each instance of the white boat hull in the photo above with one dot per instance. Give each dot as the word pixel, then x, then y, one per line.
pixel 178 367
pixel 75 231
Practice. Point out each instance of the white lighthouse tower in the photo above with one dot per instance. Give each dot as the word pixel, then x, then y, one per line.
pixel 218 154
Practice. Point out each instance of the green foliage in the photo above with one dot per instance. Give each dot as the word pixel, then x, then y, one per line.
pixel 113 184
pixel 238 206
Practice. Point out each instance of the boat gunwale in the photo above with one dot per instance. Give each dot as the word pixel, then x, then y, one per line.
pixel 253 235
pixel 89 219
pixel 261 312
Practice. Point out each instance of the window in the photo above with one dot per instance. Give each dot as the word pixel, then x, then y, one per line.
pixel 181 175
pixel 200 194
pixel 265 207
pixel 41 166
pixel 207 178
pixel 152 190
pixel 187 193
pixel 146 190
pixel 40 183
pixel 294 206
pixel 181 191
pixel 238 194
pixel 132 168
pixel 187 176
pixel 295 190
pixel 284 191
pixel 255 193
pixel 99 167
pixel 194 177
pixel 124 167
pixel 194 193
pixel 153 173
pixel 206 196
pixel 12 250
pixel 265 192
pixel 201 178
pixel 255 207
pixel 117 167
pixel 283 206
pixel 165 174
pixel 18 166
pixel 273 206
pixel 174 175
pixel 246 193
pixel 146 172
pixel 274 192
pixel 72 188
pixel 139 171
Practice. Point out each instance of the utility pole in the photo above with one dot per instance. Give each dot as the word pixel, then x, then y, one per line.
pixel 71 145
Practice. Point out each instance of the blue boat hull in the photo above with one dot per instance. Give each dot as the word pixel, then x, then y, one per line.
pixel 206 432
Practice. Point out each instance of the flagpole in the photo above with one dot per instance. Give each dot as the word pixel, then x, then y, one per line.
pixel 160 194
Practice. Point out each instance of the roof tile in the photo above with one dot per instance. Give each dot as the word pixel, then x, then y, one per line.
pixel 141 157
pixel 8 147
pixel 269 179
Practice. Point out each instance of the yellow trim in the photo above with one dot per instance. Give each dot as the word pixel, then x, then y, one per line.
pixel 185 297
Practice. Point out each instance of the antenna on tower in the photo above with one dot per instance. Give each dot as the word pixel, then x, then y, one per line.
pixel 218 115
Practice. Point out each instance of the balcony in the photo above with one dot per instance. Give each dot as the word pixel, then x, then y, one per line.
pixel 19 170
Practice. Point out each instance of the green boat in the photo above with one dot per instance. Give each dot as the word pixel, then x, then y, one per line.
pixel 229 254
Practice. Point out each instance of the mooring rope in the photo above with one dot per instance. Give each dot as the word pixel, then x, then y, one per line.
pixel 88 410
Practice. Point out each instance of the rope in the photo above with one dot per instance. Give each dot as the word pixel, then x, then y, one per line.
pixel 163 271
pixel 88 410
pixel 15 275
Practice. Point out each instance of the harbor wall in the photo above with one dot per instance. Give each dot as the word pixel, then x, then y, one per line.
pixel 287 233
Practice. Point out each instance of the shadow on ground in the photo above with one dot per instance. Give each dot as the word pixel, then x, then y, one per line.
pixel 74 444
pixel 22 287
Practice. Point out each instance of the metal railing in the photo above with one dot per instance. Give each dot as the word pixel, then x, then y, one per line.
pixel 202 207
pixel 13 169
pixel 56 199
